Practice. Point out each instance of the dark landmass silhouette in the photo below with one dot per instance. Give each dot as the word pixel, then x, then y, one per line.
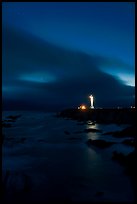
pixel 118 116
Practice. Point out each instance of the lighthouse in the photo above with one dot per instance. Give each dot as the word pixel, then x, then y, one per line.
pixel 91 101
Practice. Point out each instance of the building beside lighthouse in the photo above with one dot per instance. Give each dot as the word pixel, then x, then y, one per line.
pixel 91 101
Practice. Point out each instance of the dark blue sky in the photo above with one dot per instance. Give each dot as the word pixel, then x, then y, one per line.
pixel 56 54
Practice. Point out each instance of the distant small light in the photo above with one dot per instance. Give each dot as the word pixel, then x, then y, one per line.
pixel 83 107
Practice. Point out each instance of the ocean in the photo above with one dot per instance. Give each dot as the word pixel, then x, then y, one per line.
pixel 44 159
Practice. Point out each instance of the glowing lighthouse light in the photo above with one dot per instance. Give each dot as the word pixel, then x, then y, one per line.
pixel 91 101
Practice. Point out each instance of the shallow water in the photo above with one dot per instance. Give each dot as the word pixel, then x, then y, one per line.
pixel 60 166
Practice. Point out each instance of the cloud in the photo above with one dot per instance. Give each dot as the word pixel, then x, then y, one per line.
pixel 43 74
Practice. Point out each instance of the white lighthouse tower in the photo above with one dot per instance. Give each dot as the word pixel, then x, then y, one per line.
pixel 91 101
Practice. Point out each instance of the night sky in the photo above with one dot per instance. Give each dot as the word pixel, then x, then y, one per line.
pixel 55 54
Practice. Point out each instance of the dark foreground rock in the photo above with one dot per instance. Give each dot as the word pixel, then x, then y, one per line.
pixel 92 130
pixel 129 162
pixel 127 132
pixel 6 125
pixel 99 143
pixel 130 142
pixel 8 122
pixel 14 117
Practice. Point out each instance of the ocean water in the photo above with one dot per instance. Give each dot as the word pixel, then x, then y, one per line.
pixel 43 159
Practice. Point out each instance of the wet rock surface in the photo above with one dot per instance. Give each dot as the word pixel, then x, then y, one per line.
pixel 126 132
pixel 130 142
pixel 92 130
pixel 8 122
pixel 13 117
pixel 129 162
pixel 129 131
pixel 6 125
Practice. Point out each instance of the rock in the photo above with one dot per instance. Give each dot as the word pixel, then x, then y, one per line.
pixel 127 132
pixel 6 125
pixel 100 143
pixel 118 157
pixel 92 130
pixel 91 123
pixel 129 142
pixel 8 121
pixel 107 133
pixel 128 161
pixel 13 117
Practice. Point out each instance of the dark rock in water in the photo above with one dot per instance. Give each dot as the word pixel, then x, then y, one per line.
pixel 91 123
pixel 100 143
pixel 13 117
pixel 107 133
pixel 8 121
pixel 118 156
pixel 99 194
pixel 127 132
pixel 6 125
pixel 92 130
pixel 67 132
pixel 129 162
pixel 129 142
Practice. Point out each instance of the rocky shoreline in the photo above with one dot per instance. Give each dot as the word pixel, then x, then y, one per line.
pixel 128 134
pixel 108 116
pixel 119 116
